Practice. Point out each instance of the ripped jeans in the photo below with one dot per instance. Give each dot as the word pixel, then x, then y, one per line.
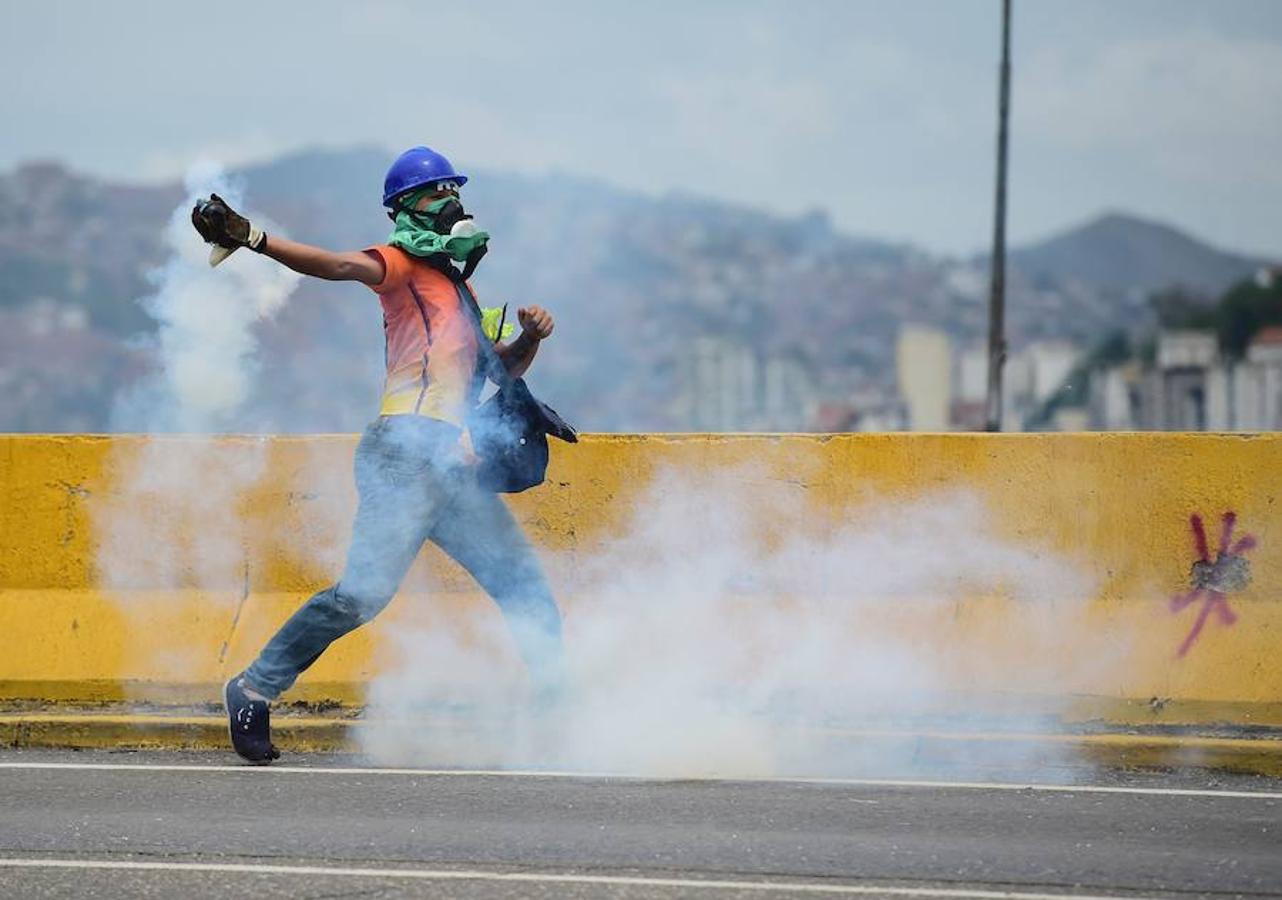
pixel 413 489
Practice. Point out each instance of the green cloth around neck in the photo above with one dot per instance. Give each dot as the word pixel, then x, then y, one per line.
pixel 414 238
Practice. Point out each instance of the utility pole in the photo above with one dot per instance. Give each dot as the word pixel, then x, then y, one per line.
pixel 997 288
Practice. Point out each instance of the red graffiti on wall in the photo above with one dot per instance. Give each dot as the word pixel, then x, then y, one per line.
pixel 1214 579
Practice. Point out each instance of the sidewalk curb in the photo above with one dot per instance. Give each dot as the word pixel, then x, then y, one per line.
pixel 162 732
pixel 1115 750
pixel 316 734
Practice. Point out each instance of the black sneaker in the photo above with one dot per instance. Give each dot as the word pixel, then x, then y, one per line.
pixel 249 722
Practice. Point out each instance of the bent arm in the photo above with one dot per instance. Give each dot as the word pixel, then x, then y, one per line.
pixel 308 260
pixel 518 355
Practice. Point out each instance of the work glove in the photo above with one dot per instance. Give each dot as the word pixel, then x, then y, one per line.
pixel 225 228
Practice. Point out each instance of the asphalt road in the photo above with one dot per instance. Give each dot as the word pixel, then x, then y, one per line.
pixel 198 825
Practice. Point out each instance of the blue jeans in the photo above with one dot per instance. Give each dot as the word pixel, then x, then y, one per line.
pixel 413 489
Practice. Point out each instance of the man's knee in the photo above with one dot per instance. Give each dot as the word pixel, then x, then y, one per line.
pixel 357 608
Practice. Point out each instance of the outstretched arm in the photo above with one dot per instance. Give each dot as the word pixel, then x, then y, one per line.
pixel 228 230
pixel 353 265
pixel 536 324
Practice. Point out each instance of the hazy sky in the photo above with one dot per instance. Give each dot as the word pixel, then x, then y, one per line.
pixel 881 111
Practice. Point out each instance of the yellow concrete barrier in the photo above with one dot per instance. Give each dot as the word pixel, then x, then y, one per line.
pixel 152 568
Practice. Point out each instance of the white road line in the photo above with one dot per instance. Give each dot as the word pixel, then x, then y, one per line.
pixel 685 884
pixel 234 769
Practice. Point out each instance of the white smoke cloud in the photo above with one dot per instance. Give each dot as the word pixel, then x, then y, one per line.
pixel 174 518
pixel 205 344
pixel 728 629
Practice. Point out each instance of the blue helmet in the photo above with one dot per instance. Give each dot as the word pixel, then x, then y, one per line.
pixel 416 167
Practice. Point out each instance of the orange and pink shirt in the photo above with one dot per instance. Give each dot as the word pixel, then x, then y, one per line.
pixel 430 341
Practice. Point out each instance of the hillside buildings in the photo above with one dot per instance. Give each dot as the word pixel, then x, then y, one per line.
pixel 923 368
pixel 1190 386
pixel 936 387
pixel 726 385
pixel 1031 376
pixel 1183 384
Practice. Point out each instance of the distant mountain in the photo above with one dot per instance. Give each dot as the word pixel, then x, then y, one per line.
pixel 75 240
pixel 1124 253
pixel 662 302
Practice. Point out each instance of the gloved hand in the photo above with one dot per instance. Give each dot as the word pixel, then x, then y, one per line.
pixel 225 228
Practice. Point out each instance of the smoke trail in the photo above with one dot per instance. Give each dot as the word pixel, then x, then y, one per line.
pixel 204 343
pixel 175 520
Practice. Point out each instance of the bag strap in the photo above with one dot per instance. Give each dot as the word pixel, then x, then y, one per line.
pixel 496 371
pixel 494 368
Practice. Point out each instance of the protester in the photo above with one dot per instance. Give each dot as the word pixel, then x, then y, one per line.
pixel 415 472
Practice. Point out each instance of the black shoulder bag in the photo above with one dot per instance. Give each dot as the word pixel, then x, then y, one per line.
pixel 510 430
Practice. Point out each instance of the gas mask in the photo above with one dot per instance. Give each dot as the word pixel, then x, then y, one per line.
pixel 442 227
